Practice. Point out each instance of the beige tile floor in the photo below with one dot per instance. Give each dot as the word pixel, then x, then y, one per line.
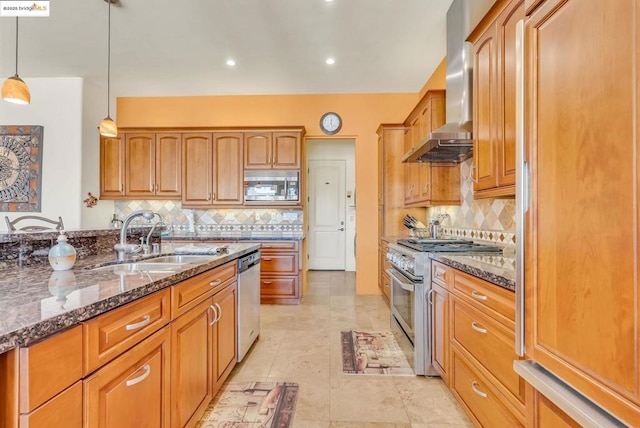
pixel 301 344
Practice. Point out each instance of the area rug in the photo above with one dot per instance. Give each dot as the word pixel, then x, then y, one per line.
pixel 252 404
pixel 373 353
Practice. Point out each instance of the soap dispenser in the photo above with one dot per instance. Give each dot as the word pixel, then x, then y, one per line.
pixel 62 256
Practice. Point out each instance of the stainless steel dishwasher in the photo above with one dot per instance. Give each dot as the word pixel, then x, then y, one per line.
pixel 248 302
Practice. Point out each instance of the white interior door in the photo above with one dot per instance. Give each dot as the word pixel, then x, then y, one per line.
pixel 327 214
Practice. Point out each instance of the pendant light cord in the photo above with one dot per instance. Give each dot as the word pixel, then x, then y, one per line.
pixel 109 63
pixel 16 45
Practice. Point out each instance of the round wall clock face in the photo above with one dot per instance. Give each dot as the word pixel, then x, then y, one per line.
pixel 330 123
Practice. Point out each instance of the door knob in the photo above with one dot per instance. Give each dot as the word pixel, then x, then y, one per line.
pixel 341 229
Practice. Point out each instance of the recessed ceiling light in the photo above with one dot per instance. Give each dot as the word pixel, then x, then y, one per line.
pixel 330 61
pixel 328 1
pixel 231 62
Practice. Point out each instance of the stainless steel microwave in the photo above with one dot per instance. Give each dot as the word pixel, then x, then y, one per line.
pixel 272 186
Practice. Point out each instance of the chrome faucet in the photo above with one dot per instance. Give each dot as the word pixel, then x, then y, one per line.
pixel 122 247
pixel 147 244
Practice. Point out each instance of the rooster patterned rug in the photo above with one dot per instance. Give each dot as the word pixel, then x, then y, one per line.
pixel 252 404
pixel 373 353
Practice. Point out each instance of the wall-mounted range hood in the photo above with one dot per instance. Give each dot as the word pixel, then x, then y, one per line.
pixel 453 141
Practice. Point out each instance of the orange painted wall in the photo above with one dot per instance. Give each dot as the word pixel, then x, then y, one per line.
pixel 438 79
pixel 361 114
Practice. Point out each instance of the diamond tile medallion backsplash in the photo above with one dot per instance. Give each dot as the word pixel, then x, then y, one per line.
pixel 478 219
pixel 203 220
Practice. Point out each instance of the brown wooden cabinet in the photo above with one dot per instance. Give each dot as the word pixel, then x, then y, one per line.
pixel 132 390
pixel 212 169
pixel 197 170
pixel 227 168
pixel 224 340
pixel 494 120
pixel 191 363
pixel 272 150
pixel 545 414
pixel 581 291
pixel 473 346
pixel 428 184
pixel 168 175
pixel 140 164
pixel 439 300
pixel 112 167
pixel 280 272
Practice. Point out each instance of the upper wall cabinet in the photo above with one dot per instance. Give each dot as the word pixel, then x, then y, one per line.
pixel 212 169
pixel 140 165
pixel 272 150
pixel 427 184
pixel 112 167
pixel 494 100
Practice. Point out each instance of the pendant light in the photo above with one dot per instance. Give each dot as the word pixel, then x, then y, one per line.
pixel 108 127
pixel 14 89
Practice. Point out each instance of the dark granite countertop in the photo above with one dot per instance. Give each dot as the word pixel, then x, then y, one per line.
pixel 36 301
pixel 234 236
pixel 497 269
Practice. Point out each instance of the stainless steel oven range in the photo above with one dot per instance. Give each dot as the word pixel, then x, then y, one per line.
pixel 411 312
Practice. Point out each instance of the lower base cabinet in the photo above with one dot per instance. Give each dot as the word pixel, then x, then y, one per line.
pixel 224 340
pixel 191 361
pixel 62 411
pixel 132 390
pixel 481 401
pixel 280 272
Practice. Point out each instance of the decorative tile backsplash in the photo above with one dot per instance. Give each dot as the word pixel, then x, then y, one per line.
pixel 482 219
pixel 232 219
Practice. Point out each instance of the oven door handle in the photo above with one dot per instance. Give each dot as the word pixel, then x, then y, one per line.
pixel 401 280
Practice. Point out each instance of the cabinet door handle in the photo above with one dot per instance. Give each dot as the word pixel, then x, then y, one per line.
pixel 122 187
pixel 214 195
pixel 478 296
pixel 341 229
pixel 474 386
pixel 143 376
pixel 477 328
pixel 216 282
pixel 430 297
pixel 219 312
pixel 156 187
pixel 209 197
pixel 145 320
pixel 215 314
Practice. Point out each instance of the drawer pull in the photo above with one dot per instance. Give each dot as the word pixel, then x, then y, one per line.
pixel 474 386
pixel 266 282
pixel 478 296
pixel 143 376
pixel 215 315
pixel 477 328
pixel 267 259
pixel 146 320
pixel 216 282
pixel 266 246
pixel 440 274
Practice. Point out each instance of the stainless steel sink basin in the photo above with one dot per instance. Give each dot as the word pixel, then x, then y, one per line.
pixel 142 267
pixel 193 259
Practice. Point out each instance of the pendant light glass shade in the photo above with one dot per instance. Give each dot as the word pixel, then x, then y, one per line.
pixel 14 89
pixel 108 127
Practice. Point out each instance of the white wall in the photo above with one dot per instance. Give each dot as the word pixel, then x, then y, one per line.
pixel 56 104
pixel 94 110
pixel 319 149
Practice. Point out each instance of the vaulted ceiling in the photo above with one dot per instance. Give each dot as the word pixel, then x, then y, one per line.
pixel 166 48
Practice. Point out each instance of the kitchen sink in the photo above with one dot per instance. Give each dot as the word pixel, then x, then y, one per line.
pixel 142 267
pixel 181 259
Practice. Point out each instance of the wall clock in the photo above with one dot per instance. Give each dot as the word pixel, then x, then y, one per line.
pixel 330 123
pixel 20 168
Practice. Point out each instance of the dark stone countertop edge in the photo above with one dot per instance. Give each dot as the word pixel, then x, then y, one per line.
pixel 40 330
pixel 491 277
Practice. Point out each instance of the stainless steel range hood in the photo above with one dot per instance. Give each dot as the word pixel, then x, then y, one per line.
pixel 453 141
